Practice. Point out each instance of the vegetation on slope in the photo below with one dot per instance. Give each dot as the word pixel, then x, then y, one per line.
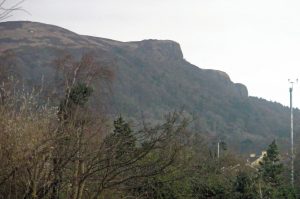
pixel 68 151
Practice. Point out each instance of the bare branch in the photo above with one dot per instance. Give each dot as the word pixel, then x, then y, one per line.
pixel 7 11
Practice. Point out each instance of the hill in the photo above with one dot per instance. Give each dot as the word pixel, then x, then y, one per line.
pixel 151 78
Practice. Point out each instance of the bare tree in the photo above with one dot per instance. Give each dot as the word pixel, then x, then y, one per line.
pixel 67 152
pixel 7 10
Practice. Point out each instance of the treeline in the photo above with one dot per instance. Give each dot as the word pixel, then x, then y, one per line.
pixel 70 151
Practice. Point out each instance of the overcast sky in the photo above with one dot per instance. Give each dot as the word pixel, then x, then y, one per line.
pixel 256 42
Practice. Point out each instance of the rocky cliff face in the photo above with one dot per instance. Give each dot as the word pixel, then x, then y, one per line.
pixel 18 36
pixel 161 50
pixel 151 78
pixel 241 90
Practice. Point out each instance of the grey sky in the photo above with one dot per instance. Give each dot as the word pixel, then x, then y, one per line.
pixel 257 42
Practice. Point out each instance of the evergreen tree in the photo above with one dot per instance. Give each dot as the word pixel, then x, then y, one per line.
pixel 122 139
pixel 271 172
pixel 244 186
pixel 271 168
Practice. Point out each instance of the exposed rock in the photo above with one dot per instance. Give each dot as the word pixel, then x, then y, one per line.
pixel 241 90
pixel 161 49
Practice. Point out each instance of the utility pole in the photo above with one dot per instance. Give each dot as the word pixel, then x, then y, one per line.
pixel 218 154
pixel 292 130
